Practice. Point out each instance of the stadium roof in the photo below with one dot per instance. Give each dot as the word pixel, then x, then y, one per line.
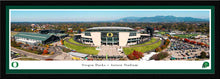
pixel 57 34
pixel 110 28
pixel 35 36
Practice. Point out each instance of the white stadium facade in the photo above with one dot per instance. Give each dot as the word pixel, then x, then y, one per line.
pixel 121 36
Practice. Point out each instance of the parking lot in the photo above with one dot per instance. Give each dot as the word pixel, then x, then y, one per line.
pixel 180 50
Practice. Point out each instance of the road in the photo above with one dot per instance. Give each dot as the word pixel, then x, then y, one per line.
pixel 40 57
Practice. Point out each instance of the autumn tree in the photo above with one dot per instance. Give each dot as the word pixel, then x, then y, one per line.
pixel 14 44
pixel 26 45
pixel 206 45
pixel 186 40
pixel 52 53
pixel 19 29
pixel 155 57
pixel 158 49
pixel 45 52
pixel 135 55
pixel 198 43
pixel 131 56
pixel 163 46
pixel 29 48
pixel 62 42
pixel 15 29
pixel 160 56
pixel 202 44
pixel 193 42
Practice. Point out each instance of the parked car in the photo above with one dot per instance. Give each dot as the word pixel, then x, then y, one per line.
pixel 187 54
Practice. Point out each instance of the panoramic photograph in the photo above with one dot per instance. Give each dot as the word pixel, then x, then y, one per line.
pixel 110 35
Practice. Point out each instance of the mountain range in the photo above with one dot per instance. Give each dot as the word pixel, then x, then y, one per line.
pixel 161 19
pixel 155 19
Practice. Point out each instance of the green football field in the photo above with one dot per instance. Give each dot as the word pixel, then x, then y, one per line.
pixel 82 49
pixel 143 49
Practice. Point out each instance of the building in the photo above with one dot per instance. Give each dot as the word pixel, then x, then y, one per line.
pixel 121 36
pixel 156 31
pixel 50 31
pixel 141 30
pixel 172 33
pixel 35 38
pixel 60 35
pixel 70 28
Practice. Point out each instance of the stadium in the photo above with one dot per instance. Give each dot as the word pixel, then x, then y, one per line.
pixel 111 35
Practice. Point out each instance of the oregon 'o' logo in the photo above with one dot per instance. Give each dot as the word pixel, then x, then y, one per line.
pixel 109 34
pixel 14 64
pixel 205 65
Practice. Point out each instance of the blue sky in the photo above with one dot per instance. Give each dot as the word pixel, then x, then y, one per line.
pixel 62 16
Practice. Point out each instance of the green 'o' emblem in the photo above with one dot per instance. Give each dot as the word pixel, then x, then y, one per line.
pixel 14 64
pixel 205 65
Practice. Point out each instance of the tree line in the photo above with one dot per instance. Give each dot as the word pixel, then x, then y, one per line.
pixel 182 26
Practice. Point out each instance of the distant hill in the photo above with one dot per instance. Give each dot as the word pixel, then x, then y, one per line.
pixel 166 19
pixel 161 19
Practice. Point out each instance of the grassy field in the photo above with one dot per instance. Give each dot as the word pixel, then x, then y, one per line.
pixel 162 33
pixel 73 41
pixel 143 49
pixel 186 35
pixel 82 49
pixel 149 42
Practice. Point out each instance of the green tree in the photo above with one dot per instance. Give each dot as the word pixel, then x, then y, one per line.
pixel 203 54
